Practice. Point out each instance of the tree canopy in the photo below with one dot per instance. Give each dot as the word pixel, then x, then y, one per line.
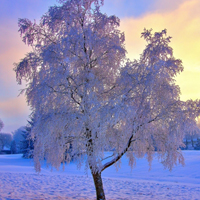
pixel 84 92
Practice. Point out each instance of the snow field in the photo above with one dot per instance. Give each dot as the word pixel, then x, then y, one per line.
pixel 19 181
pixel 34 186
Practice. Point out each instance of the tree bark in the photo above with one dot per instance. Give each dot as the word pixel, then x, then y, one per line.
pixel 99 186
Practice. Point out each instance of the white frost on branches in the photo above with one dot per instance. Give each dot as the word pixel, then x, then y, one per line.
pixel 85 93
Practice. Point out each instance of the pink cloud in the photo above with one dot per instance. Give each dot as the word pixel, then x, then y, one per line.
pixel 13 110
pixel 12 50
pixel 14 107
pixel 163 6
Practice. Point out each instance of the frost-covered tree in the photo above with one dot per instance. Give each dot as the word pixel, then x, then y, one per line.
pixel 18 137
pixel 13 147
pixel 192 137
pixel 85 93
pixel 27 145
pixel 5 140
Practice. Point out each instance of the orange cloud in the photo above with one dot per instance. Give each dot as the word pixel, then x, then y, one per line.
pixel 183 25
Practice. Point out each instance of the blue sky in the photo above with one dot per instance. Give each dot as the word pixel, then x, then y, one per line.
pixel 180 17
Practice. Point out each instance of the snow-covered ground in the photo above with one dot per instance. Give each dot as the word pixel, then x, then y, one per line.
pixel 18 180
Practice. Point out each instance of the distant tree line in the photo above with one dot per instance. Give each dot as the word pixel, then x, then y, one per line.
pixel 17 142
pixel 192 139
pixel 20 140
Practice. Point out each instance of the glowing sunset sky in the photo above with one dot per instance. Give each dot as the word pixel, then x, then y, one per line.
pixel 181 18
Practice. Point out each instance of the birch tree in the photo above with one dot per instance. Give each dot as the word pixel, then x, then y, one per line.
pixel 84 92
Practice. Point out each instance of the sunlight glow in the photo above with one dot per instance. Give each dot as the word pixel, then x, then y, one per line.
pixel 183 25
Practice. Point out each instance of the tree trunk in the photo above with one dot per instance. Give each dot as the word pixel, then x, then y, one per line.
pixel 99 186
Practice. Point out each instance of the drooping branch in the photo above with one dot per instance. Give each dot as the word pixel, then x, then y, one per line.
pixel 130 141
pixel 108 157
pixel 114 160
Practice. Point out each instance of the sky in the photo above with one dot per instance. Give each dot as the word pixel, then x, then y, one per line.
pixel 181 18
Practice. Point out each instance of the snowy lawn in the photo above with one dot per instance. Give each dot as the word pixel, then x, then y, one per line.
pixel 18 180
